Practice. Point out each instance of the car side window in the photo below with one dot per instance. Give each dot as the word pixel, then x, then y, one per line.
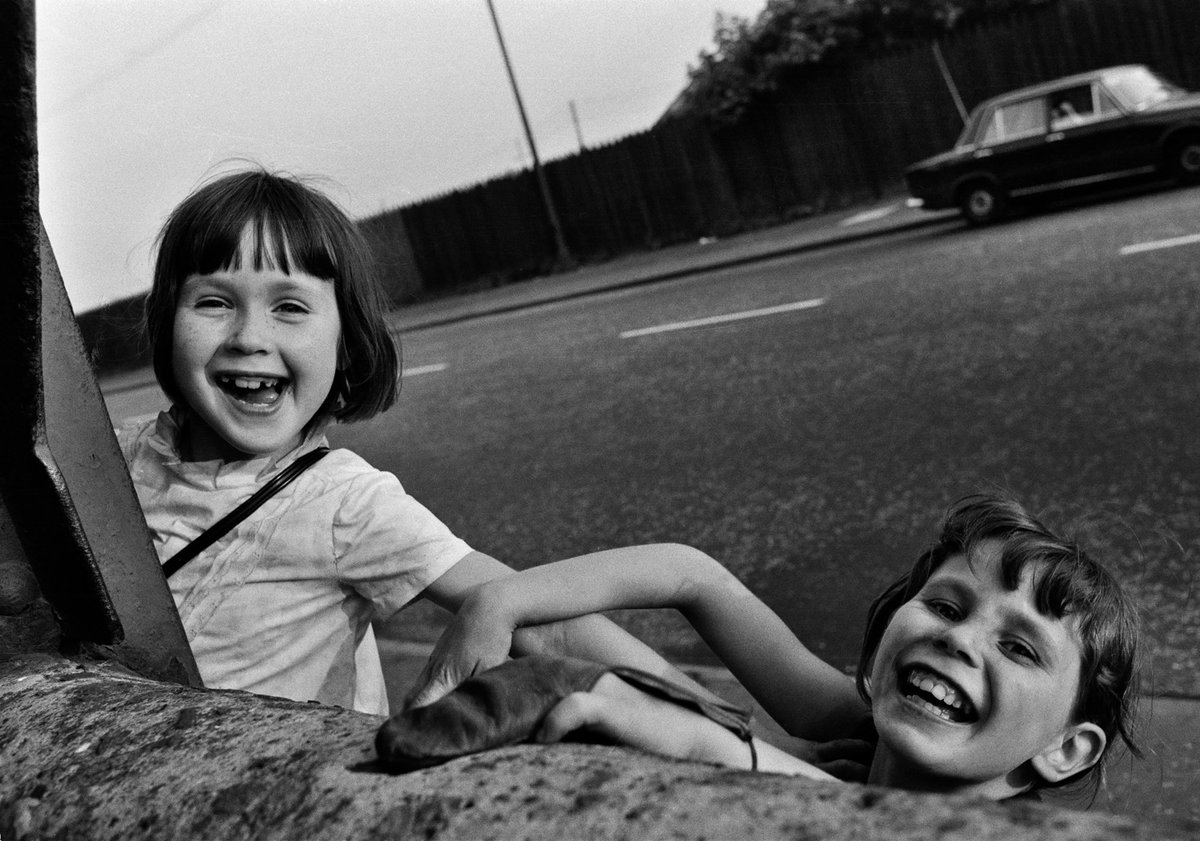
pixel 1072 106
pixel 1014 120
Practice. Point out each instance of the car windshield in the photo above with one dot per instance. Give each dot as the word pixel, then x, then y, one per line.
pixel 1139 88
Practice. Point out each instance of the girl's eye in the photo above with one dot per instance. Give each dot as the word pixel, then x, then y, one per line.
pixel 946 610
pixel 1020 650
pixel 210 303
pixel 291 308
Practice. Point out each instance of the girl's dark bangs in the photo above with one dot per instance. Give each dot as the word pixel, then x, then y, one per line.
pixel 216 247
pixel 1063 582
pixel 281 237
pixel 309 244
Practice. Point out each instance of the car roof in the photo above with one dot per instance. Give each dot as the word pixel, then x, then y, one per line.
pixel 1055 84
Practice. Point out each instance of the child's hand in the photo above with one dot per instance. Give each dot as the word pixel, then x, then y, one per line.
pixel 847 759
pixel 617 711
pixel 472 643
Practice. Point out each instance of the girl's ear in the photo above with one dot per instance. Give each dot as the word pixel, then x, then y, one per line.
pixel 1077 748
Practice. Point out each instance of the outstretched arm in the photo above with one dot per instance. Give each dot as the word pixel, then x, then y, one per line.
pixel 810 698
pixel 477 640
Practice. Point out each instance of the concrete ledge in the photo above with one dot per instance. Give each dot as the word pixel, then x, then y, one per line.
pixel 90 751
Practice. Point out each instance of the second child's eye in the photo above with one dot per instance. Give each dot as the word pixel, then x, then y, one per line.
pixel 1020 650
pixel 210 302
pixel 946 610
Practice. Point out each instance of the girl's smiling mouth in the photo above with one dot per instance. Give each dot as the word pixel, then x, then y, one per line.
pixel 252 389
pixel 936 694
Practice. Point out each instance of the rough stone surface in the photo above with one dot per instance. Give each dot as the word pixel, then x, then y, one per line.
pixel 89 751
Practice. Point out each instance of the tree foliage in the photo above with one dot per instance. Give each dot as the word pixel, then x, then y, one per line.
pixel 749 57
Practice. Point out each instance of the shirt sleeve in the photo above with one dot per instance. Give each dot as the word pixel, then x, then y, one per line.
pixel 387 546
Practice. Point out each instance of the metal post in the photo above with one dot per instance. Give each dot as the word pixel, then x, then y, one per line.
pixel 941 63
pixel 74 536
pixel 565 260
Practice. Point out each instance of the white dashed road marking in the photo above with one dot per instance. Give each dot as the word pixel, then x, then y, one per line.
pixel 1139 247
pixel 721 319
pixel 425 369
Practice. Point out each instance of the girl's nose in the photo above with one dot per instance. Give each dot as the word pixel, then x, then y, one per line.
pixel 250 333
pixel 960 641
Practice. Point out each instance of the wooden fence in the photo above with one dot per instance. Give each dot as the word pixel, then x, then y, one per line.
pixel 828 137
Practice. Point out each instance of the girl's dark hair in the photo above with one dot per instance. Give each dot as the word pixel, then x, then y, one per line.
pixel 1067 583
pixel 293 227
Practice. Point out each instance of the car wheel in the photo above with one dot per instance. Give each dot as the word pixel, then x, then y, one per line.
pixel 1185 160
pixel 982 203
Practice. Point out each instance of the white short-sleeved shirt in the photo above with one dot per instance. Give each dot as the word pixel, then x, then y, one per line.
pixel 280 605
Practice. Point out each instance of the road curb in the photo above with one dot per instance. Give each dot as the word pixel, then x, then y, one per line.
pixel 417 322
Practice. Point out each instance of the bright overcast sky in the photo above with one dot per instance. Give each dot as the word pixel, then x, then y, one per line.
pixel 392 100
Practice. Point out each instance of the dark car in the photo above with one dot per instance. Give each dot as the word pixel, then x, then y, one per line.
pixel 1081 130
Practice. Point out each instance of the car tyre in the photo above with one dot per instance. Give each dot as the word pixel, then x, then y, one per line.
pixel 1184 160
pixel 982 203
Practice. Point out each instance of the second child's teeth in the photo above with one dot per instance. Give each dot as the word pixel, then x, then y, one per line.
pixel 937 689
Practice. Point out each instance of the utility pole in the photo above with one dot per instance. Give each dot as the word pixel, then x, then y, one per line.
pixel 949 80
pixel 575 120
pixel 565 260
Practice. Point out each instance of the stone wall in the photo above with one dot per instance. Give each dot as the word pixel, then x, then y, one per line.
pixel 91 751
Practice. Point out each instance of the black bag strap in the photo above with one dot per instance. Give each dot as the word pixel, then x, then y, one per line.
pixel 222 526
pixel 727 714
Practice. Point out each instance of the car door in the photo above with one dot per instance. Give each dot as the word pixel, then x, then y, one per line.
pixel 1011 144
pixel 1090 137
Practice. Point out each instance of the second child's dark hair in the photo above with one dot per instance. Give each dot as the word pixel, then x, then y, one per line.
pixel 1067 583
pixel 293 228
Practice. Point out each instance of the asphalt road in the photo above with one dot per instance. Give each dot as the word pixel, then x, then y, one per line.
pixel 812 450
pixel 812 442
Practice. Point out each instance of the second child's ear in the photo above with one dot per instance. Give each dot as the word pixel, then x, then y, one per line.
pixel 1076 749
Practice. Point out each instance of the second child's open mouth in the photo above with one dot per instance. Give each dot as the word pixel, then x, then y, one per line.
pixel 937 694
pixel 257 391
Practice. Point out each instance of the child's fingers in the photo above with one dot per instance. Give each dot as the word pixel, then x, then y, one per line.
pixel 846 759
pixel 427 694
pixel 431 684
pixel 852 750
pixel 417 690
pixel 846 770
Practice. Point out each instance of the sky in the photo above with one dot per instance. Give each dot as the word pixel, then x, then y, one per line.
pixel 388 101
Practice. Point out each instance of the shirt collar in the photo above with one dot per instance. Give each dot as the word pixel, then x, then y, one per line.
pixel 166 441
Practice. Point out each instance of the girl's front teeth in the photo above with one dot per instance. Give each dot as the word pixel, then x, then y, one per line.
pixel 260 390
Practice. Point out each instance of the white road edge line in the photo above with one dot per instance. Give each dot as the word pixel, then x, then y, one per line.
pixel 721 319
pixel 869 215
pixel 425 369
pixel 1137 248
